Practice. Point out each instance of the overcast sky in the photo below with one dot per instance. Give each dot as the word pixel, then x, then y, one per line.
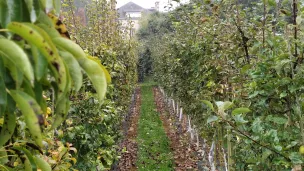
pixel 143 3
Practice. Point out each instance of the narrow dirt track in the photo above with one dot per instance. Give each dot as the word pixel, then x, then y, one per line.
pixel 185 153
pixel 128 158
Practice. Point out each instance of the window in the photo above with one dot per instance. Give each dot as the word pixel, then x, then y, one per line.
pixel 133 14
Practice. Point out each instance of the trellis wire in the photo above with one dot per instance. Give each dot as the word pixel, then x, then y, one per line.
pixel 211 156
pixel 181 114
pixel 225 159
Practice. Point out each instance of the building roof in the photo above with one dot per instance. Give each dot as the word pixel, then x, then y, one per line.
pixel 130 7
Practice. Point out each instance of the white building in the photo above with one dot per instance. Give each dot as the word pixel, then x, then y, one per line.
pixel 132 12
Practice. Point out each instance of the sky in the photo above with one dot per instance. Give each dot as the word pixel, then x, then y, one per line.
pixel 144 3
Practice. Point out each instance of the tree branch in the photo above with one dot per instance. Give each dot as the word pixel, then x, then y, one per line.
pixel 244 42
pixel 248 137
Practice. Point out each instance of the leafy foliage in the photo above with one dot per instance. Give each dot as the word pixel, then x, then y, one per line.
pixel 152 27
pixel 36 78
pixel 246 55
pixel 41 86
pixel 96 130
pixel 153 144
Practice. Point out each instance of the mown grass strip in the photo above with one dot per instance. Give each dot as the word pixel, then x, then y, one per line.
pixel 153 144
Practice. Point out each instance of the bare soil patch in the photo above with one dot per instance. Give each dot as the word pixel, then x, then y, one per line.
pixel 186 156
pixel 129 145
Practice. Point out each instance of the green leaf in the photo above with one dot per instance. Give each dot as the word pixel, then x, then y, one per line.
pixel 7 168
pixel 212 119
pixel 15 73
pixel 4 15
pixel 239 119
pixel 245 68
pixel 210 84
pixel 18 11
pixel 48 5
pixel 279 120
pixel 296 158
pixel 42 164
pixel 280 64
pixel 227 105
pixel 33 8
pixel 257 125
pixel 3 155
pixel 272 3
pixel 299 19
pixel 28 155
pixel 3 97
pixel 254 94
pixel 266 154
pixel 57 6
pixel 240 111
pixel 224 105
pixel 209 104
pixel 40 61
pixel 27 88
pixel 292 144
pixel 278 147
pixel 283 94
pixel 39 96
pixel 273 135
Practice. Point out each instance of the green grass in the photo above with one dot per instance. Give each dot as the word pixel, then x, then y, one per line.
pixel 153 144
pixel 149 82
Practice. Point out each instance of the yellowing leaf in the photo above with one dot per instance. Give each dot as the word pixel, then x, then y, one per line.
pixel 59 26
pixel 74 160
pixel 48 110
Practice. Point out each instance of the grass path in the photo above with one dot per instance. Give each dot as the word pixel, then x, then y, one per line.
pixel 153 144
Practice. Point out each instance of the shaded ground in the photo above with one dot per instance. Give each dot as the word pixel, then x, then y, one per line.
pixel 129 145
pixel 154 139
pixel 186 156
pixel 153 145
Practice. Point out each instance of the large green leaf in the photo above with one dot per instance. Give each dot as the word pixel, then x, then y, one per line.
pixel 14 72
pixel 39 96
pixel 41 63
pixel 292 144
pixel 280 64
pixel 266 154
pixel 209 104
pixel 257 125
pixel 245 68
pixel 272 3
pixel 34 9
pixel 296 158
pixel 4 15
pixel 227 105
pixel 212 119
pixel 222 106
pixel 3 97
pixel 239 119
pixel 48 5
pixel 3 156
pixel 276 119
pixel 240 111
pixel 57 6
pixel 18 11
pixel 29 156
